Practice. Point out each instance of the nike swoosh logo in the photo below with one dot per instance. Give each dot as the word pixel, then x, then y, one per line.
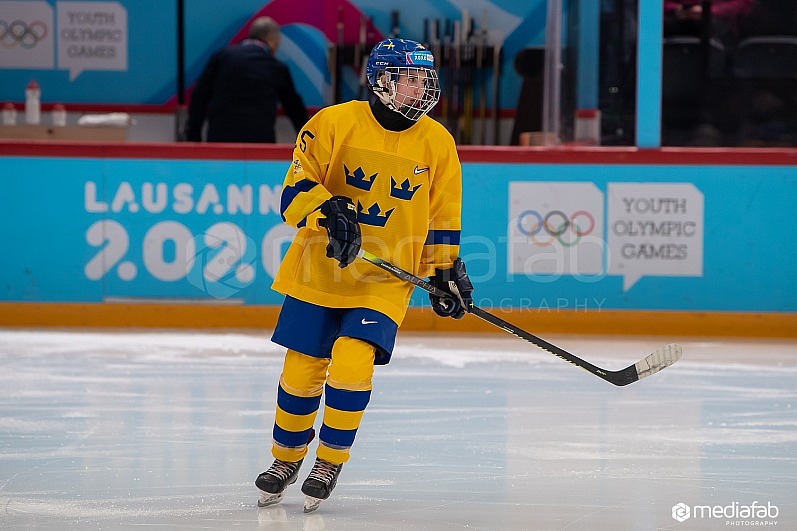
pixel 419 171
pixel 368 322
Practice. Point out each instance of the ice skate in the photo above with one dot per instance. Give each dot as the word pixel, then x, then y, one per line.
pixel 273 482
pixel 319 484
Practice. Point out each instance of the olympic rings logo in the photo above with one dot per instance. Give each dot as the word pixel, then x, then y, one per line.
pixel 556 224
pixel 21 33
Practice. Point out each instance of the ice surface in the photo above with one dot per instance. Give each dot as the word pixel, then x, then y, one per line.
pixel 169 430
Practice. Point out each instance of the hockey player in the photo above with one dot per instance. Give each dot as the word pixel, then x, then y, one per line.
pixel 386 177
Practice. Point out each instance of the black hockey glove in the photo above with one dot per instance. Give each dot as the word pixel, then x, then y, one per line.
pixel 456 282
pixel 343 229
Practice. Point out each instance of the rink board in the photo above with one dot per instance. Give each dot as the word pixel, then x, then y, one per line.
pixel 615 240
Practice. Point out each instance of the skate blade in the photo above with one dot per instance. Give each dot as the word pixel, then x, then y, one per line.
pixel 266 499
pixel 311 504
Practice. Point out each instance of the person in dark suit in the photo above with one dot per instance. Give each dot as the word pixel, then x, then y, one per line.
pixel 238 91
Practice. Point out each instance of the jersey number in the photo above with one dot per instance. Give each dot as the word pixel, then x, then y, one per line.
pixel 303 145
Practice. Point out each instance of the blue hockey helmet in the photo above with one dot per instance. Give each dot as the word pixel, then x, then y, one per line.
pixel 401 73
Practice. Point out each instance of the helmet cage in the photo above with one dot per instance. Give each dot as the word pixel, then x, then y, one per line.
pixel 400 90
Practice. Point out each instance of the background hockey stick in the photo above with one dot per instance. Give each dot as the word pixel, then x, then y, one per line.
pixel 653 363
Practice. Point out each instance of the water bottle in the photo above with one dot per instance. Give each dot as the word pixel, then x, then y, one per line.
pixel 33 114
pixel 9 114
pixel 59 115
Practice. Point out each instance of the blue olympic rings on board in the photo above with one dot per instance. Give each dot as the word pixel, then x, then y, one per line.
pixel 555 224
pixel 21 33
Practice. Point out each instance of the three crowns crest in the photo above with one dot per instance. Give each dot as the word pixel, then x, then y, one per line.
pixel 373 214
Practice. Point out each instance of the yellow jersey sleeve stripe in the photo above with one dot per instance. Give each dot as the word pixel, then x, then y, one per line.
pixel 300 200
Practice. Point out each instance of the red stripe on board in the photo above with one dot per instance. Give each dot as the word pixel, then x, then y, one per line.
pixel 630 155
pixel 140 108
pixel 489 154
pixel 140 150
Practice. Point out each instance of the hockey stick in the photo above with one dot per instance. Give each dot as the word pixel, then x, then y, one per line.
pixel 653 363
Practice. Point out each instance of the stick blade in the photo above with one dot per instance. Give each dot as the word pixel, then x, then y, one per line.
pixel 658 360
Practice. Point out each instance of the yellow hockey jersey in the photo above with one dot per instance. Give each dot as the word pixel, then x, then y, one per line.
pixel 407 187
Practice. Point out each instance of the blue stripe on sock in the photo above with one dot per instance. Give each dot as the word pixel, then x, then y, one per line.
pixel 346 400
pixel 291 439
pixel 336 438
pixel 297 405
